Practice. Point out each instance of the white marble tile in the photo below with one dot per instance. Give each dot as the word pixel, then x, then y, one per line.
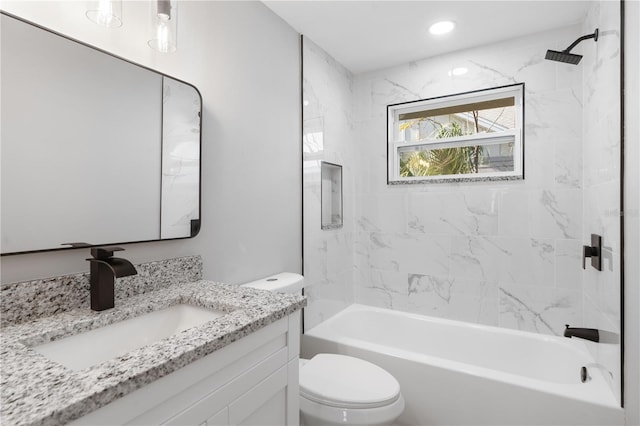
pixel 555 129
pixel 339 252
pixel 451 298
pixel 553 133
pixel 499 253
pixel 538 160
pixel 569 264
pixel 319 309
pixel 539 309
pixel 315 268
pixel 602 213
pixel 568 163
pixel 409 253
pixel 382 212
pixel 385 289
pixel 602 122
pixel 503 232
pixel 527 261
pixel 603 287
pixel 381 253
pixel 489 310
pixel 424 253
pixel 454 213
pixel 476 258
pixel 335 288
pixel 555 213
pixel 312 135
pixel 607 351
pixel 513 216
pixel 329 135
pixel 601 139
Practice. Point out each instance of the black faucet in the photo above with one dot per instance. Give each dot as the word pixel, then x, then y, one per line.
pixel 104 269
pixel 583 333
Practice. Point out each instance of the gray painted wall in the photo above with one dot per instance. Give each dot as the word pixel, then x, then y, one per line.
pixel 245 62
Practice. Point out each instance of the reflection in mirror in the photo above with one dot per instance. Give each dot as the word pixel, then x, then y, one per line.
pixel 95 149
pixel 180 159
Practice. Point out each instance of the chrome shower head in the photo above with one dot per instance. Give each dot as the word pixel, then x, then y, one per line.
pixel 567 57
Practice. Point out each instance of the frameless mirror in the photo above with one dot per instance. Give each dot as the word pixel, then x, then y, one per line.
pixel 95 149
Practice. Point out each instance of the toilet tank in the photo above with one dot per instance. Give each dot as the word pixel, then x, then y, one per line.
pixel 284 282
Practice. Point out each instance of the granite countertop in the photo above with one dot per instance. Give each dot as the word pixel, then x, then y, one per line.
pixel 37 391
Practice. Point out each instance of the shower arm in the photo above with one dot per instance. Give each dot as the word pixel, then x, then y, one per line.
pixel 585 37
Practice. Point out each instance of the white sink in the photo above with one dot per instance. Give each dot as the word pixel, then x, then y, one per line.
pixel 95 346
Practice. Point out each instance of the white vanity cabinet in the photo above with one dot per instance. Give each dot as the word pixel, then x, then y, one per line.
pixel 253 381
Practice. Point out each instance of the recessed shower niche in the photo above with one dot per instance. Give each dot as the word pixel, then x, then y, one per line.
pixel 331 195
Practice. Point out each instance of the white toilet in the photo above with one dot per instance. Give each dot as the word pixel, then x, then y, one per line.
pixel 339 389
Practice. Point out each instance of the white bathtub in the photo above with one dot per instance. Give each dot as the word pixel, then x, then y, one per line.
pixel 453 372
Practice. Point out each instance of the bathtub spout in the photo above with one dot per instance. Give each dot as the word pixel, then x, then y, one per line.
pixel 583 333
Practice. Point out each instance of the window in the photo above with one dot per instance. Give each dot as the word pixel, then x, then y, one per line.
pixel 469 136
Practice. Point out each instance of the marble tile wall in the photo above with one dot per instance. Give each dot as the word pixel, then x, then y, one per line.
pixel 601 203
pixel 328 135
pixel 506 254
pixel 497 253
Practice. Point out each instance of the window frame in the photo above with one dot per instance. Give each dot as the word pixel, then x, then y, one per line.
pixel 395 146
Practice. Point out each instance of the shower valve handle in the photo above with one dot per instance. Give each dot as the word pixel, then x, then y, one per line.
pixel 594 252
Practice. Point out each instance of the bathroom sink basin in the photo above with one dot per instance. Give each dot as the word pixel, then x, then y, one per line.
pixel 95 346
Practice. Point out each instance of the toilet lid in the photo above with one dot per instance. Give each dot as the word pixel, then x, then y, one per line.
pixel 347 382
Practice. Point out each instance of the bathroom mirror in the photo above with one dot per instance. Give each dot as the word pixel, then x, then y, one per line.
pixel 95 149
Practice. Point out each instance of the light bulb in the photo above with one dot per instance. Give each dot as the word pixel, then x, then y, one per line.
pixel 458 71
pixel 107 13
pixel 162 33
pixel 164 23
pixel 441 27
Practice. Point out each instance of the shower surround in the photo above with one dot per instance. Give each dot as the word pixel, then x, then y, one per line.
pixel 506 254
pixel 496 253
pixel 329 134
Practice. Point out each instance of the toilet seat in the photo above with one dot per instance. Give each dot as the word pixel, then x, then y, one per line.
pixel 315 414
pixel 347 382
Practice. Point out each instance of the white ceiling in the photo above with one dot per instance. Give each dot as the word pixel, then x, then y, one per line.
pixel 370 35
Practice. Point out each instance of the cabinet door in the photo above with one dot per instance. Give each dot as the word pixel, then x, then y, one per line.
pixel 271 413
pixel 264 405
pixel 232 391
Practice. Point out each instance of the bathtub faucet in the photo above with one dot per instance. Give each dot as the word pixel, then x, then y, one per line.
pixel 583 333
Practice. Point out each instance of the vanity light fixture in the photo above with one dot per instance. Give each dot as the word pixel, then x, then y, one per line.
pixel 164 25
pixel 107 13
pixel 442 27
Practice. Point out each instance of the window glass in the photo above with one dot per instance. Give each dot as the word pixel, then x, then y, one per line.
pixel 460 136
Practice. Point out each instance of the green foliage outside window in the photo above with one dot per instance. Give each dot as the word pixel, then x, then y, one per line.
pixel 442 161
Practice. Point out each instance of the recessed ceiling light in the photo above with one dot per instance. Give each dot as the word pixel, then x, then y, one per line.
pixel 441 27
pixel 458 71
